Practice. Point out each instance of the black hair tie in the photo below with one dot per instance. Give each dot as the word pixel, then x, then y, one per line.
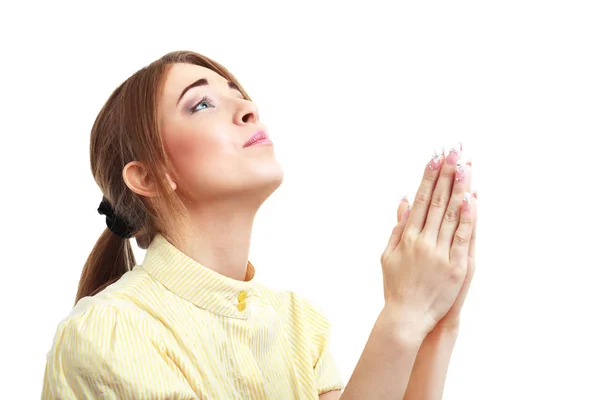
pixel 116 224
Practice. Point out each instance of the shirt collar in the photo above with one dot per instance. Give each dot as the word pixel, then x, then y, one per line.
pixel 197 283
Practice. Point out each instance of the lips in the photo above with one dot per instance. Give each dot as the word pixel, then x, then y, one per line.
pixel 260 135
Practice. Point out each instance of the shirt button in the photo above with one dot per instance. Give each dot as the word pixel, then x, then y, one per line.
pixel 242 296
pixel 241 305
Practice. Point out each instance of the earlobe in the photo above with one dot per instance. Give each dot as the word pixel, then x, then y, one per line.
pixel 173 184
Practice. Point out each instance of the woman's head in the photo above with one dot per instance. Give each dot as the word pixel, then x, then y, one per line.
pixel 169 140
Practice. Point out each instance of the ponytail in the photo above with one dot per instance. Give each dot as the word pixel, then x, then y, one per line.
pixel 110 258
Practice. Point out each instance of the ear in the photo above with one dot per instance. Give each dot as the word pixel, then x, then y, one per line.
pixel 137 179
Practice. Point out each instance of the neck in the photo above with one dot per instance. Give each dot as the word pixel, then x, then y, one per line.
pixel 220 237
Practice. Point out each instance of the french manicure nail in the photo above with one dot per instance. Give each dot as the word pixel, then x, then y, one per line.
pixel 460 170
pixel 454 154
pixel 466 203
pixel 406 213
pixel 436 160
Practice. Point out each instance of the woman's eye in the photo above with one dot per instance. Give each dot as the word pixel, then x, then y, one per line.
pixel 203 104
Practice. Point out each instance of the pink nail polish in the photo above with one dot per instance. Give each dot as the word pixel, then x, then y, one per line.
pixel 405 214
pixel 436 160
pixel 460 171
pixel 466 203
pixel 454 154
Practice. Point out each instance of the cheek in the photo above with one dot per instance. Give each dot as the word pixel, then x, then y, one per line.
pixel 187 149
pixel 190 151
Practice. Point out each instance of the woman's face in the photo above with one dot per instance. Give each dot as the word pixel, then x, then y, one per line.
pixel 204 129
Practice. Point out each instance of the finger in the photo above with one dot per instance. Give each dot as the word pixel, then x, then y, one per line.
pixel 418 212
pixel 451 215
pixel 459 251
pixel 471 256
pixel 403 207
pixel 402 216
pixel 443 192
pixel 471 264
pixel 474 234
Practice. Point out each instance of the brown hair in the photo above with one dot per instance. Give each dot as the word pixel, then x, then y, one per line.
pixel 127 129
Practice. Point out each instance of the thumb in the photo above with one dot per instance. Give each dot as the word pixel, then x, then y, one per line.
pixel 402 216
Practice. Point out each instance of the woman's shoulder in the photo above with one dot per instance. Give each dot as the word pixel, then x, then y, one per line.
pixel 297 308
pixel 116 308
pixel 122 296
pixel 305 320
pixel 107 342
pixel 100 332
pixel 291 300
pixel 100 318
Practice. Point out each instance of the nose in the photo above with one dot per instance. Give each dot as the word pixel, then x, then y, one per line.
pixel 247 113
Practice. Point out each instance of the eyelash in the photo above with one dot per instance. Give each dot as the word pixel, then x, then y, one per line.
pixel 205 99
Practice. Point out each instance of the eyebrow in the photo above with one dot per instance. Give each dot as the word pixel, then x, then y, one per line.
pixel 203 82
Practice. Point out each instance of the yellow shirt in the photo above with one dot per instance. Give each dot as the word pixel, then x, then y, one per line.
pixel 172 328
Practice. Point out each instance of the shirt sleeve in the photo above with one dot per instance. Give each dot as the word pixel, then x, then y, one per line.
pixel 109 353
pixel 327 374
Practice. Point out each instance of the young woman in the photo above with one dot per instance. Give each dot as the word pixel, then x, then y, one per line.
pixel 184 163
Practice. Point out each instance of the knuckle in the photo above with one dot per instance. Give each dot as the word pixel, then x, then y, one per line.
pixel 461 238
pixel 451 215
pixel 459 189
pixel 430 177
pixel 423 247
pixel 466 221
pixel 383 257
pixel 421 199
pixel 441 258
pixel 439 200
pixel 397 229
pixel 456 273
pixel 409 238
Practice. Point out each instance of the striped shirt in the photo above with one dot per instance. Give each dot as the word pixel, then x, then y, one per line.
pixel 172 328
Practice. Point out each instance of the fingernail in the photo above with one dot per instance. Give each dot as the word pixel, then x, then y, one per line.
pixel 454 154
pixel 460 170
pixel 466 203
pixel 475 194
pixel 436 160
pixel 405 214
pixel 404 199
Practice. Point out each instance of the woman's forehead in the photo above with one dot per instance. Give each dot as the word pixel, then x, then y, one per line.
pixel 181 75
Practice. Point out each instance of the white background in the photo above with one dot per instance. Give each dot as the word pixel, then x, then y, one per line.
pixel 356 96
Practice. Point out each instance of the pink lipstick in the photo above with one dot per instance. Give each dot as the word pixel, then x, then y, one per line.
pixel 258 138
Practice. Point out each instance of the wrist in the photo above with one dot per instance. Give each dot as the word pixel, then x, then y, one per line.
pixel 405 325
pixel 443 335
pixel 446 328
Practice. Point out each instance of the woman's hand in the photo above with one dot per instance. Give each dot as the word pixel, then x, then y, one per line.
pixel 451 320
pixel 426 262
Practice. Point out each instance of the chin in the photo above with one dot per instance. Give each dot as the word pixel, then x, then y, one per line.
pixel 273 177
pixel 265 172
pixel 266 181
